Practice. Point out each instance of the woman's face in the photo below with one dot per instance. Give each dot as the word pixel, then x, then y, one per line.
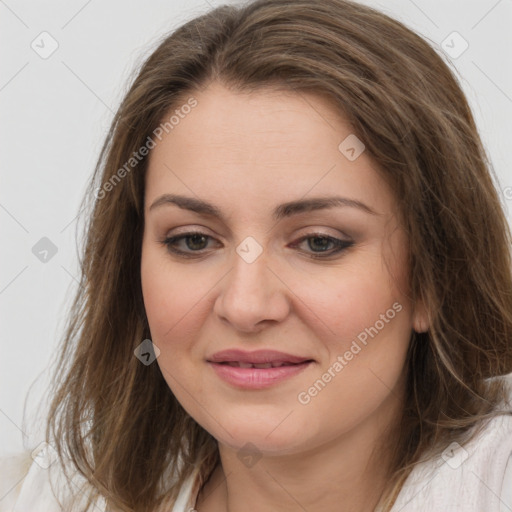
pixel 316 297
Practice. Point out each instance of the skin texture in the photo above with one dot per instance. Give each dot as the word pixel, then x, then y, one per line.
pixel 246 154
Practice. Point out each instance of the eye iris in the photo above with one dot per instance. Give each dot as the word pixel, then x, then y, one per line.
pixel 323 245
pixel 196 238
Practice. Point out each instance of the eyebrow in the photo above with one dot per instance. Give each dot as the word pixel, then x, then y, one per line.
pixel 280 212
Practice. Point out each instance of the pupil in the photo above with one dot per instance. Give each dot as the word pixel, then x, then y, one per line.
pixel 195 238
pixel 323 245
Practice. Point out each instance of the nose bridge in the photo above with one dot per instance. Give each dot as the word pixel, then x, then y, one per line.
pixel 250 271
pixel 248 283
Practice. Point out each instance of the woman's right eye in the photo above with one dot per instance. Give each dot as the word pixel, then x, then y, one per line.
pixel 195 242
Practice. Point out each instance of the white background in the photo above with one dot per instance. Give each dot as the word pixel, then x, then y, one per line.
pixel 55 113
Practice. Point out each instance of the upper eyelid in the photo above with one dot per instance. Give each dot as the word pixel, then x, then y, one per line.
pixel 206 232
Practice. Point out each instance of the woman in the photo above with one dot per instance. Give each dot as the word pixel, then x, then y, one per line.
pixel 296 283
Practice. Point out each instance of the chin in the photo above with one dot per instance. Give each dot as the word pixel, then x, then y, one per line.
pixel 268 433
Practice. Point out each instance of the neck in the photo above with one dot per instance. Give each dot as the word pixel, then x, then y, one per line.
pixel 347 473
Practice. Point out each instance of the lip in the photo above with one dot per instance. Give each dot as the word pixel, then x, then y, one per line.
pixel 256 357
pixel 256 378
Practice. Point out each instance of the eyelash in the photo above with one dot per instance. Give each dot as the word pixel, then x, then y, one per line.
pixel 339 245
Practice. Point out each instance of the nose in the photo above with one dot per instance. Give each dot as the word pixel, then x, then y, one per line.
pixel 252 295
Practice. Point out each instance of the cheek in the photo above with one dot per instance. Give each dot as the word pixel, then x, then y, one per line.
pixel 365 332
pixel 172 304
pixel 162 306
pixel 171 297
pixel 355 301
pixel 177 306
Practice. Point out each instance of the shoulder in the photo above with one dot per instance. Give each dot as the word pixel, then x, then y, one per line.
pixel 33 480
pixel 483 468
pixel 473 477
pixel 13 470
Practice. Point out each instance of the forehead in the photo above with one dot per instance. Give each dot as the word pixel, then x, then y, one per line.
pixel 261 148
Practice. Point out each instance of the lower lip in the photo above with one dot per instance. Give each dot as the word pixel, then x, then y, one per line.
pixel 257 378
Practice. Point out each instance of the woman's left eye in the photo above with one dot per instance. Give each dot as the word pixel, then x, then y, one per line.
pixel 196 242
pixel 322 242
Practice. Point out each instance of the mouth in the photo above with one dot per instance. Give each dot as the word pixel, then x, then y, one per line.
pixel 257 358
pixel 257 370
pixel 262 366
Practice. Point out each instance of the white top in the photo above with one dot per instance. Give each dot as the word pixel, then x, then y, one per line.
pixel 475 478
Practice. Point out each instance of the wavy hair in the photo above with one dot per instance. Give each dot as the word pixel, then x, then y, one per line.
pixel 116 419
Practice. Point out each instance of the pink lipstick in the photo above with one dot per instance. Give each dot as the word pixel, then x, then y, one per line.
pixel 256 370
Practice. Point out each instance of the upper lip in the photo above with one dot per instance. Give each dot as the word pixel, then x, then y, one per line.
pixel 255 357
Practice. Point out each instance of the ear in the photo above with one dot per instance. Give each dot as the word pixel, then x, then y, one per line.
pixel 420 320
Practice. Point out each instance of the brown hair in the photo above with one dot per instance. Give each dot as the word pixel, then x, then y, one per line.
pixel 115 418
